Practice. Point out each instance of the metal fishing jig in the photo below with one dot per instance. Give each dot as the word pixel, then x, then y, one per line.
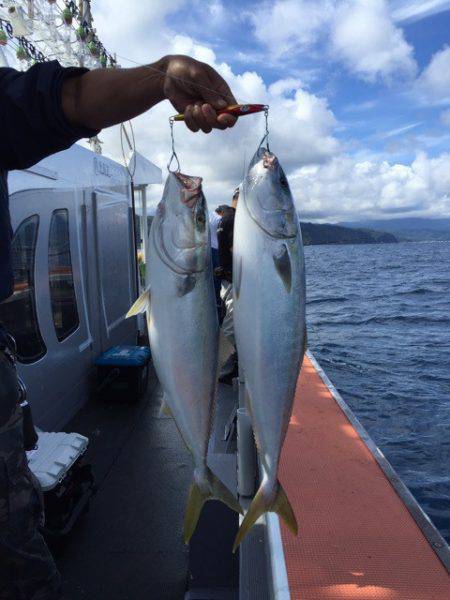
pixel 237 110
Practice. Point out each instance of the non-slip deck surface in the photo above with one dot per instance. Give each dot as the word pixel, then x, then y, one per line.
pixel 129 545
pixel 357 539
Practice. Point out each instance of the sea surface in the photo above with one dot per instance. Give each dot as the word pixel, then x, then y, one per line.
pixel 379 324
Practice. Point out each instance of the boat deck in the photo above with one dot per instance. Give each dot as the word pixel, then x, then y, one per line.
pixel 128 547
pixel 358 540
pixel 362 535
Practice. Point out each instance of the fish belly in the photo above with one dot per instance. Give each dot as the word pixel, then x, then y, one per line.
pixel 184 342
pixel 270 325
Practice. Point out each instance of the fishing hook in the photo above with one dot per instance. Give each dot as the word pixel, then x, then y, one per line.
pixel 174 154
pixel 266 133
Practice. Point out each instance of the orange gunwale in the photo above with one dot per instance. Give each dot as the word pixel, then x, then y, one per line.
pixel 362 536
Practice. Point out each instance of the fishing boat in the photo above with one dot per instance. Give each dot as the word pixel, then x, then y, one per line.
pixel 362 534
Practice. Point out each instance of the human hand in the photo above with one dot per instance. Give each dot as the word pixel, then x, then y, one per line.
pixel 197 90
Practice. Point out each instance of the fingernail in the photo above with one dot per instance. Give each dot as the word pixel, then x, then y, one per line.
pixel 221 104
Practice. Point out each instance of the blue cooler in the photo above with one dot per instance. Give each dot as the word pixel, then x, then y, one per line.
pixel 123 371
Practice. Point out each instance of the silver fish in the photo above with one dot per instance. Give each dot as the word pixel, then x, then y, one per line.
pixel 183 328
pixel 269 320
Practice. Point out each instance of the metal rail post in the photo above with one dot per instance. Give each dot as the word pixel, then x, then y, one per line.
pixel 245 445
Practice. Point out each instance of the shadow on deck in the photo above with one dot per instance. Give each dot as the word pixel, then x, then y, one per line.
pixel 129 545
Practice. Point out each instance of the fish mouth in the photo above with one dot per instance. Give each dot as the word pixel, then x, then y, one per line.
pixel 191 189
pixel 270 161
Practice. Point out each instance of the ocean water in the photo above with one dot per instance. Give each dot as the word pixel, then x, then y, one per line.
pixel 379 324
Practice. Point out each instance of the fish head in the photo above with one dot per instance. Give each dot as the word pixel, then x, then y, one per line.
pixel 182 227
pixel 268 197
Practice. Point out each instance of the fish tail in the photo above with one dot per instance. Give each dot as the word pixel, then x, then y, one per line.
pixel 164 410
pixel 141 305
pixel 263 503
pixel 211 488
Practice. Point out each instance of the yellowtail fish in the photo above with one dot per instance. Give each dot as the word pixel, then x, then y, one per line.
pixel 269 320
pixel 183 328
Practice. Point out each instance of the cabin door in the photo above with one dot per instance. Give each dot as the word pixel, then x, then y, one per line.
pixel 47 312
pixel 111 270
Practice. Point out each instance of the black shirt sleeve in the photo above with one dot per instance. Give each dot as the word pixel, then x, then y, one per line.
pixel 225 233
pixel 32 121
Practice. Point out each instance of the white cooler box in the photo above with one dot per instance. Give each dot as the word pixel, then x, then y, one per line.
pixel 67 484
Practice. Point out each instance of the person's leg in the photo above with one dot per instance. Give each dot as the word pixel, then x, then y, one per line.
pixel 217 281
pixel 27 569
pixel 227 323
pixel 230 369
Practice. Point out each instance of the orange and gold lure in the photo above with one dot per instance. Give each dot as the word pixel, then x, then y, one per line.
pixel 237 110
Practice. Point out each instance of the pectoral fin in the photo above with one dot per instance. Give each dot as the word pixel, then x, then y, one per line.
pixel 185 284
pixel 282 262
pixel 237 277
pixel 141 305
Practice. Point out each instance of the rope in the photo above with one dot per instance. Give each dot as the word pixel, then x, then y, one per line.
pixel 132 146
pixel 180 79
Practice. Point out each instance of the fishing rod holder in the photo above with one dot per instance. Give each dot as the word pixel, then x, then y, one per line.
pixel 246 455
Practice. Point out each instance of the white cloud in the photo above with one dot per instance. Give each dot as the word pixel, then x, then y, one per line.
pixel 286 25
pixel 398 131
pixel 368 43
pixel 358 33
pixel 445 117
pixel 301 128
pixel 414 10
pixel 361 107
pixel 136 30
pixel 328 185
pixel 346 188
pixel 434 82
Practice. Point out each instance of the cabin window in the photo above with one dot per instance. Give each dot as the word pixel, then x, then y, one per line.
pixel 62 290
pixel 18 313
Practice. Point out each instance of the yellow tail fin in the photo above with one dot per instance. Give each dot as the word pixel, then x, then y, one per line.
pixel 197 498
pixel 261 505
pixel 141 305
pixel 164 410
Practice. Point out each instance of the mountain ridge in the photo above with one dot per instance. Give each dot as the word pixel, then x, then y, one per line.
pixel 412 229
pixel 318 234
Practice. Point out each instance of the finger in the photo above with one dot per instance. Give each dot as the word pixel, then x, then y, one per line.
pixel 210 114
pixel 189 118
pixel 219 125
pixel 212 117
pixel 226 120
pixel 200 119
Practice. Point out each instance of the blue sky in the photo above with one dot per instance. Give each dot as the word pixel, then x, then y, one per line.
pixel 359 93
pixel 375 113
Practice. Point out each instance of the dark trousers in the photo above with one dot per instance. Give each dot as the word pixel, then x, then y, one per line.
pixel 217 280
pixel 27 569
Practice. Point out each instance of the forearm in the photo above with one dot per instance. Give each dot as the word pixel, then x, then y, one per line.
pixel 105 97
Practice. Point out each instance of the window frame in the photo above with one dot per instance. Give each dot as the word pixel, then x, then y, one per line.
pixel 34 305
pixel 76 327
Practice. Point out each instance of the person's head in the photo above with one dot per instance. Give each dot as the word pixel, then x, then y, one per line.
pixel 235 198
pixel 221 210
